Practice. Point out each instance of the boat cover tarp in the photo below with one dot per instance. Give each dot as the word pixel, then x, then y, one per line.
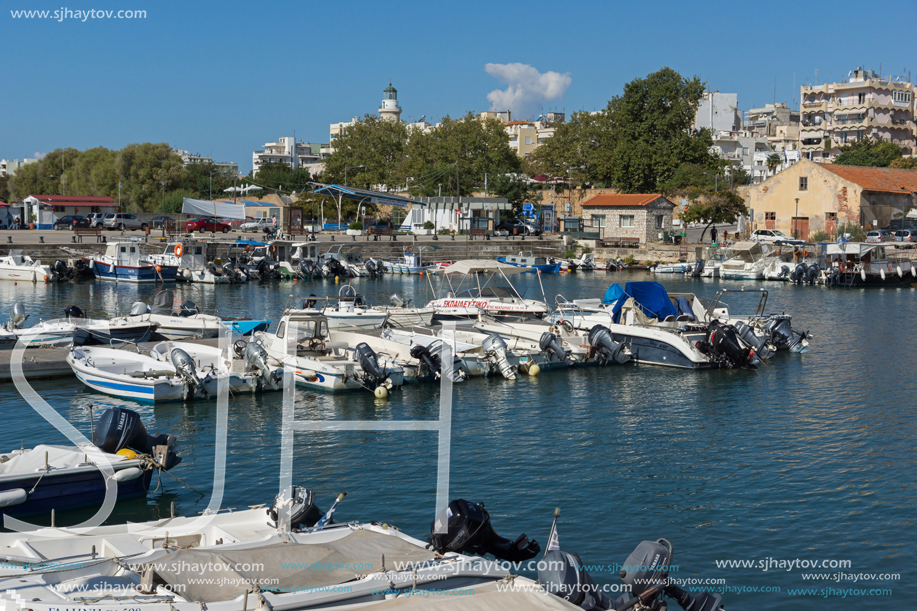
pixel 523 595
pixel 288 568
pixel 650 297
pixel 31 463
pixel 613 293
pixel 202 207
pixel 162 303
pixel 684 307
pixel 474 266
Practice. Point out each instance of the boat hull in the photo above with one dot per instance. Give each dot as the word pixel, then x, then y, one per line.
pixel 71 490
pixel 26 274
pixel 127 273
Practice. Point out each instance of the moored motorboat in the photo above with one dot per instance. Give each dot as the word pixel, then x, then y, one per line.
pixel 23 268
pixel 490 296
pixel 127 262
pixel 531 263
pixel 75 329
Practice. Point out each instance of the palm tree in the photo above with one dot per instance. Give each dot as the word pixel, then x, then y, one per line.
pixel 773 160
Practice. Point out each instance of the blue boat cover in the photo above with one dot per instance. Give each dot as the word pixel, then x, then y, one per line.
pixel 613 293
pixel 684 307
pixel 650 296
pixel 246 327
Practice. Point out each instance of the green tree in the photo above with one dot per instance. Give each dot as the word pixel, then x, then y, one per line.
pixel 373 143
pixel 713 207
pixel 278 176
pixel 690 176
pixel 4 189
pixel 868 152
pixel 650 134
pixel 143 167
pixel 513 187
pixel 904 163
pixel 574 144
pixel 773 160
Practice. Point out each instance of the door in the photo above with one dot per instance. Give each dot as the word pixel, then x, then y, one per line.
pixel 801 228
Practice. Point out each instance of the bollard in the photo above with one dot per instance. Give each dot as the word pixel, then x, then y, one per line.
pixel 9 239
pixel 73 239
pixel 41 239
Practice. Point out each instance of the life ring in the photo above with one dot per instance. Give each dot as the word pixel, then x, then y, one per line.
pixel 272 249
pixel 178 250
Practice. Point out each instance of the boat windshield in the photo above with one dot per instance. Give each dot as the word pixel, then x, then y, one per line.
pixel 310 329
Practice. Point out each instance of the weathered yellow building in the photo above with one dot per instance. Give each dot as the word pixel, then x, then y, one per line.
pixel 808 197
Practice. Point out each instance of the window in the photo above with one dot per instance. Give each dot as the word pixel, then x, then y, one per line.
pixel 627 220
pixel 770 216
pixel 528 139
pixel 825 154
pixel 281 329
pixel 660 219
pixel 803 183
pixel 598 220
pixel 831 216
pixel 861 98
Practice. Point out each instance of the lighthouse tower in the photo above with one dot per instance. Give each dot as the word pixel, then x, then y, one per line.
pixel 390 109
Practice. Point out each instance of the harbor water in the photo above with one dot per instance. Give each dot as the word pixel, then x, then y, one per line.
pixel 811 458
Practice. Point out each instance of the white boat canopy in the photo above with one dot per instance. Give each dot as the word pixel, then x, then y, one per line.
pixel 851 248
pixel 203 207
pixel 474 266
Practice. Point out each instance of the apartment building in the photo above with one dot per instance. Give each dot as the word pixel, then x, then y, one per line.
pixel 188 158
pixel 526 136
pixel 866 105
pixel 8 167
pixel 776 122
pixel 287 150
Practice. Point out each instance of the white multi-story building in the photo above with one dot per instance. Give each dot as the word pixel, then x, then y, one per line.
pixel 287 150
pixel 187 159
pixel 8 167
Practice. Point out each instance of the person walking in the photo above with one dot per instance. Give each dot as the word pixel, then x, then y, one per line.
pixel 713 235
pixel 16 223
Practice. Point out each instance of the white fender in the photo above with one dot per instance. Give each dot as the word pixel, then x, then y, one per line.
pixel 126 475
pixel 882 273
pixel 863 274
pixel 16 496
pixel 900 272
pixel 92 263
pixel 913 270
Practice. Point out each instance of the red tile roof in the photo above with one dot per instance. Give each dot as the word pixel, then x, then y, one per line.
pixel 633 199
pixel 520 123
pixel 888 180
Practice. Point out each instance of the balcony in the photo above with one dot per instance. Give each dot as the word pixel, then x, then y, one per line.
pixel 817 106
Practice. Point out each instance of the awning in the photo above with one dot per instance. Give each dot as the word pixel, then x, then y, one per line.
pixel 203 207
pixel 474 266
pixel 376 197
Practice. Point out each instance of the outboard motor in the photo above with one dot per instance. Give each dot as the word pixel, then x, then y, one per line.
pixel 723 346
pixel 256 357
pixel 396 300
pixel 184 366
pixel 139 308
pixel 607 349
pixel 698 269
pixel 468 531
pixel 162 303
pixel 834 277
pixel 647 573
pixel 564 576
pixel 294 508
pixel 495 348
pixel 550 345
pixel 335 268
pixel 61 268
pixel 188 308
pixel 751 339
pixel 372 268
pixel 812 273
pixel 309 304
pixel 119 428
pixel 430 362
pixel 308 269
pixel 799 274
pixel 73 312
pixel 374 377
pixel 17 316
pixel 80 268
pixel 214 269
pixel 783 336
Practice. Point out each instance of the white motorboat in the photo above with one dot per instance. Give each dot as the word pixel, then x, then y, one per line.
pixel 175 371
pixel 488 297
pixel 410 262
pixel 344 260
pixel 187 323
pixel 23 268
pixel 672 268
pixel 748 261
pixel 402 314
pixel 302 343
pixel 74 329
pixel 50 478
pixel 531 263
pixel 347 310
pixel 191 260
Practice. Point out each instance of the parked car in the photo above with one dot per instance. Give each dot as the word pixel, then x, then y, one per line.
pixel 258 224
pixel 880 235
pixel 123 221
pixel 512 225
pixel 71 221
pixel 159 221
pixel 906 235
pixel 205 224
pixel 772 236
pixel 96 219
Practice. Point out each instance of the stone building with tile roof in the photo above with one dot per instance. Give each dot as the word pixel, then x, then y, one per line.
pixel 643 216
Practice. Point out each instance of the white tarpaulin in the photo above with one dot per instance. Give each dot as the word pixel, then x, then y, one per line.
pixel 203 207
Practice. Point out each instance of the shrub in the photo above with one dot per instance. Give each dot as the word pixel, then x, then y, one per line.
pixel 629 260
pixel 570 254
pixel 429 225
pixel 355 225
pixel 857 233
pixel 443 231
pixel 819 236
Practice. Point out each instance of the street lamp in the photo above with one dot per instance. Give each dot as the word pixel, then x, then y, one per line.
pixel 350 167
pixel 211 184
pixel 163 208
pixel 795 221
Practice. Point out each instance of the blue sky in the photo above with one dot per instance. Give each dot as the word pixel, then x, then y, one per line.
pixel 223 78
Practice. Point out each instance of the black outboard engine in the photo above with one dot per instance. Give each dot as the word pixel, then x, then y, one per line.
pixel 698 269
pixel 468 531
pixel 62 270
pixel 834 277
pixel 646 571
pixel 188 308
pixel 549 344
pixel 799 274
pixel 119 428
pixel 723 345
pixel 335 268
pixel 607 349
pixel 429 361
pixel 309 304
pixel 812 273
pixel 564 576
pixel 73 312
pixel 162 303
pixel 783 336
pixel 307 269
pixel 80 268
pixel 295 508
pixel 751 339
pixel 372 267
pixel 213 269
pixel 373 374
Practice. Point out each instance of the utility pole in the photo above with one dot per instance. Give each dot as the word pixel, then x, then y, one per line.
pixel 163 208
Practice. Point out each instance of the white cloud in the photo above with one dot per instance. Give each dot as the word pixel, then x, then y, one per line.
pixel 39 155
pixel 526 87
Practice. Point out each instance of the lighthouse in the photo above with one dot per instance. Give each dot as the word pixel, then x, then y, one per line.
pixel 390 109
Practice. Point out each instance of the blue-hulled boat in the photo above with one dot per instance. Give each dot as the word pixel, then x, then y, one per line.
pixel 532 263
pixel 126 262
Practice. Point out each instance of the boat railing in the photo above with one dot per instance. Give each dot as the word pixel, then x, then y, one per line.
pixel 762 301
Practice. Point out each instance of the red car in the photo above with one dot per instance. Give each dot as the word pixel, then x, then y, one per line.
pixel 207 224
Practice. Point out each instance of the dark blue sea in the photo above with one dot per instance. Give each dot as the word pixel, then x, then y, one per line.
pixel 809 459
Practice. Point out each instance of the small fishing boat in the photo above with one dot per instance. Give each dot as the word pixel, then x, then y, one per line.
pixel 347 310
pixel 530 263
pixel 74 329
pixel 402 314
pixel 175 371
pixel 748 261
pixel 410 262
pixel 347 257
pixel 302 343
pixel 23 268
pixel 50 478
pixel 862 264
pixel 127 262
pixel 187 321
pixel 492 297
